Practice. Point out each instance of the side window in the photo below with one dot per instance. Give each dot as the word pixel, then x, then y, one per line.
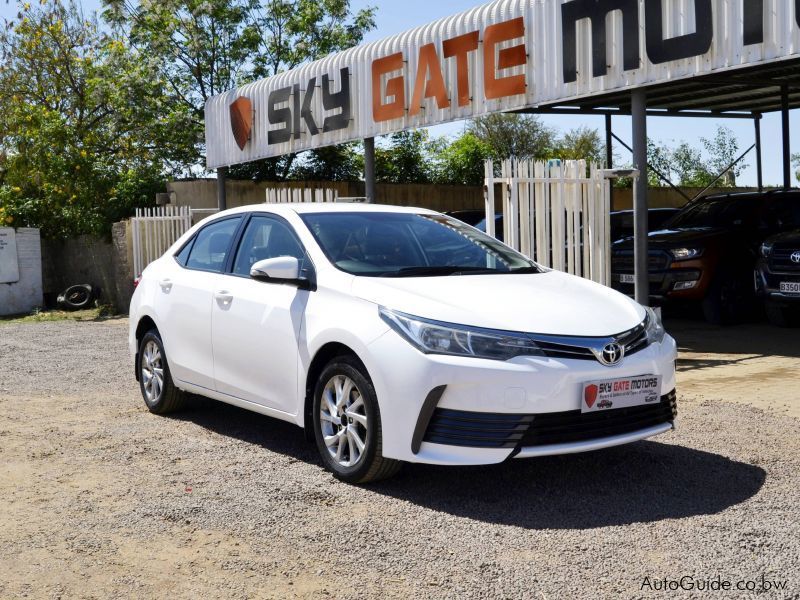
pixel 784 214
pixel 183 255
pixel 211 245
pixel 266 237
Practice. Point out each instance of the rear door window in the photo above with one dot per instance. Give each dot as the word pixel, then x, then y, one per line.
pixel 211 246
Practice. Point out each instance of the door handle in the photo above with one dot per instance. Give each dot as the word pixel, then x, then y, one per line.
pixel 224 297
pixel 166 285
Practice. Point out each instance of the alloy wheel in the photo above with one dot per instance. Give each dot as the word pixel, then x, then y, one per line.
pixel 152 371
pixel 343 420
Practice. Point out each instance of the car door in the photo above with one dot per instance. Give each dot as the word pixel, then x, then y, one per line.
pixel 256 324
pixel 184 301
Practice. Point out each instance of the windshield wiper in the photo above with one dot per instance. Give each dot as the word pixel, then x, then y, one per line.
pixel 454 270
pixel 434 271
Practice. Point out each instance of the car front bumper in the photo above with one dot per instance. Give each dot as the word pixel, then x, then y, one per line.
pixel 768 283
pixel 420 393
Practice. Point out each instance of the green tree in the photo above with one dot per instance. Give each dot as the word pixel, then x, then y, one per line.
pixel 689 166
pixel 86 131
pixel 460 162
pixel 405 159
pixel 582 143
pixel 513 135
pixel 342 162
pixel 796 163
pixel 204 47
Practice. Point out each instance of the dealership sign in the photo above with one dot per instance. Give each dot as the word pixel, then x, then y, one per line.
pixel 505 55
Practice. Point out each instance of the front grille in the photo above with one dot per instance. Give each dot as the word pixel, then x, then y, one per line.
pixel 780 260
pixel 500 430
pixel 632 340
pixel 476 429
pixel 575 426
pixel 622 261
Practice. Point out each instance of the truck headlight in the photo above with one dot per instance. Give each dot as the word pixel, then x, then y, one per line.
pixel 685 253
pixel 654 328
pixel 436 337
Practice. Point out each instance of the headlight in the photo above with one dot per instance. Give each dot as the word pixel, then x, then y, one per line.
pixel 685 253
pixel 766 249
pixel 653 326
pixel 436 337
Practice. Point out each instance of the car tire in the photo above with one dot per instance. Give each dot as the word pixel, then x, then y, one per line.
pixel 728 299
pixel 782 316
pixel 76 297
pixel 346 414
pixel 155 380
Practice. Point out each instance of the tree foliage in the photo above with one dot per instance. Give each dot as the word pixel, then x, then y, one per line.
pixel 405 159
pixel 690 166
pixel 205 47
pixel 512 135
pixel 85 131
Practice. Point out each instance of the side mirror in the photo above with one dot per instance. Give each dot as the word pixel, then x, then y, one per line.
pixel 281 269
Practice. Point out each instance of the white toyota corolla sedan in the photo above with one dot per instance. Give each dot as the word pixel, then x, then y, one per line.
pixel 397 334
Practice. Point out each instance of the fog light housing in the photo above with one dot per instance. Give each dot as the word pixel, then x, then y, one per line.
pixel 683 285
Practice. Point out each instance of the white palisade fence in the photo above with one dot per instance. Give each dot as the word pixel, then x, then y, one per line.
pixel 555 213
pixel 155 230
pixel 277 195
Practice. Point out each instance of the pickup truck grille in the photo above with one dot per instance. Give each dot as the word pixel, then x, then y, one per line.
pixel 622 261
pixel 781 260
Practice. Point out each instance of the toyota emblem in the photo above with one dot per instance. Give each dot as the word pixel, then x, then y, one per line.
pixel 795 256
pixel 611 354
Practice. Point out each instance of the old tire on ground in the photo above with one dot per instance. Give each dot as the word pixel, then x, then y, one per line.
pixel 347 423
pixel 155 381
pixel 782 316
pixel 76 297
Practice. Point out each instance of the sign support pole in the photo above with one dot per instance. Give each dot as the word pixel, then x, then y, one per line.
pixel 639 134
pixel 222 200
pixel 369 169
pixel 787 161
pixel 759 171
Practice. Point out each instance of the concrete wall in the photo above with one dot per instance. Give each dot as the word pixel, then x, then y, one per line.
pixel 202 193
pixel 104 264
pixel 24 295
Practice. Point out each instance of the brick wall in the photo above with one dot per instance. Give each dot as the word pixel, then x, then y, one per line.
pixel 24 295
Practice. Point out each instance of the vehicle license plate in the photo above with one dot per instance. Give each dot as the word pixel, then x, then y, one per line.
pixel 626 278
pixel 608 394
pixel 790 287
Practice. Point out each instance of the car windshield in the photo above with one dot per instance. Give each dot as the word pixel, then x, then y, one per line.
pixel 387 244
pixel 715 212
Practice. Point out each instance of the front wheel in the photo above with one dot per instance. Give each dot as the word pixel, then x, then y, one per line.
pixel 782 316
pixel 347 423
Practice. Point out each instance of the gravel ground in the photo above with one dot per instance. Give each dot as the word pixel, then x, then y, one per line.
pixel 102 499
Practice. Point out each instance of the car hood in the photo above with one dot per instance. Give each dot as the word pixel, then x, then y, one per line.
pixel 787 238
pixel 674 237
pixel 548 303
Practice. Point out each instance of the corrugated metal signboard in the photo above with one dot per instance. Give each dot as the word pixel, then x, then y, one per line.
pixel 508 54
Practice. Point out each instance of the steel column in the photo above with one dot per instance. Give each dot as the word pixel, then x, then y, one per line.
pixel 639 137
pixel 787 159
pixel 759 169
pixel 222 199
pixel 369 169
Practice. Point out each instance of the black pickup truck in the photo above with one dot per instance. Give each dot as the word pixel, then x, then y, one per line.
pixel 707 252
pixel 778 277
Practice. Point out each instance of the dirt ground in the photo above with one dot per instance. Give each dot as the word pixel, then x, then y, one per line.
pixel 102 499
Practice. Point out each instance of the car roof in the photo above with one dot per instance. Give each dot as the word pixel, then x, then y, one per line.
pixel 324 207
pixel 794 193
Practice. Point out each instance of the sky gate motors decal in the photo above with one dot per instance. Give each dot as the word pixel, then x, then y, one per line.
pixel 469 65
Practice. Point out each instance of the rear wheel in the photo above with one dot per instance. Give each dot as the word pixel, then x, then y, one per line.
pixel 347 423
pixel 782 316
pixel 728 300
pixel 155 381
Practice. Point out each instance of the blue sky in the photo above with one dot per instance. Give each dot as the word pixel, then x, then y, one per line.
pixel 395 16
